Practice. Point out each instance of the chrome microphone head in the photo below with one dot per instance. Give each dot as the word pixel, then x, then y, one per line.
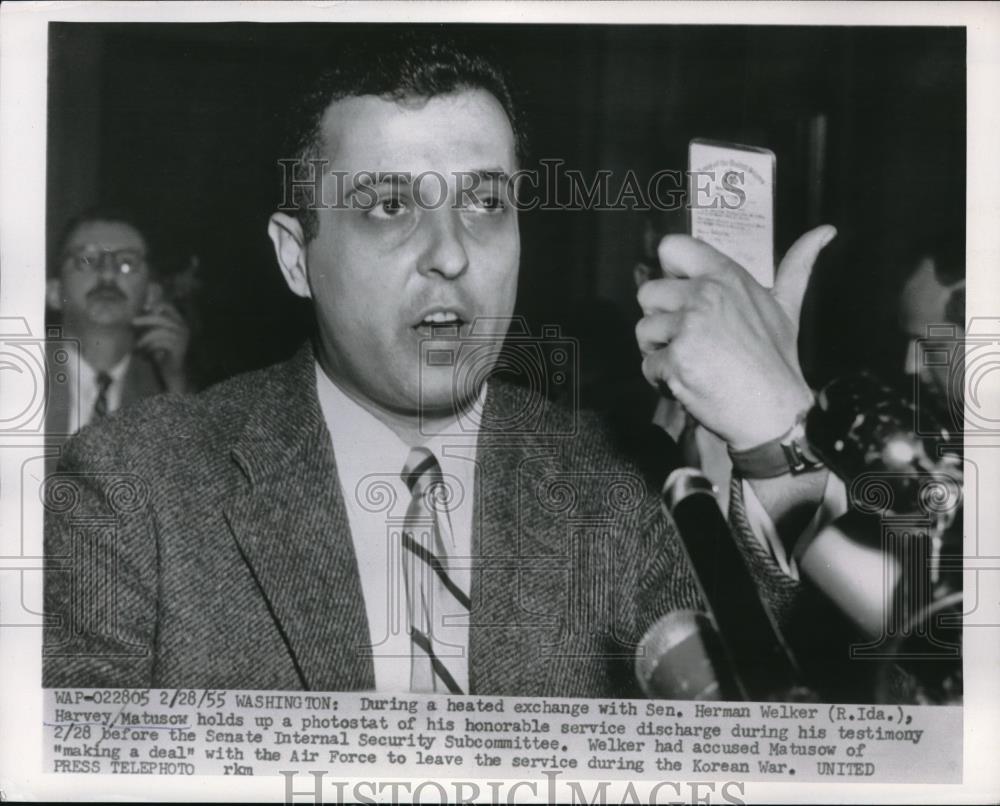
pixel 681 483
pixel 674 660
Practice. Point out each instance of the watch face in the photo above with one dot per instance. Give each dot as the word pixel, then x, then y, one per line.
pixel 796 449
pixel 789 453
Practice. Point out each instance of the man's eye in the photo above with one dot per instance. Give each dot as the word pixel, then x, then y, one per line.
pixel 385 209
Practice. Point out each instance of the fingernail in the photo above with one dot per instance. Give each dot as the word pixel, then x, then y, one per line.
pixel 830 235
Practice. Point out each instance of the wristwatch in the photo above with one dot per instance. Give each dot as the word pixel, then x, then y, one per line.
pixel 789 453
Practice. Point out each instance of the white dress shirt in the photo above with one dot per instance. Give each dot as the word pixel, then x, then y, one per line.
pixel 83 397
pixel 370 457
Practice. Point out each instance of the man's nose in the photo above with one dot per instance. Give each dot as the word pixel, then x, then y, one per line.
pixel 106 266
pixel 445 253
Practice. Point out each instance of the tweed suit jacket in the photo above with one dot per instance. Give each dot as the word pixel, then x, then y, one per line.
pixel 203 541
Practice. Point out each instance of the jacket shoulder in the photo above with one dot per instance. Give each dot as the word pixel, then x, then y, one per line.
pixel 159 426
pixel 587 439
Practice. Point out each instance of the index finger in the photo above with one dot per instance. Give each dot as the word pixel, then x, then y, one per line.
pixel 685 257
pixel 666 294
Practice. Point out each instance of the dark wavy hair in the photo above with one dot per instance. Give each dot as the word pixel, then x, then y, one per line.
pixel 397 66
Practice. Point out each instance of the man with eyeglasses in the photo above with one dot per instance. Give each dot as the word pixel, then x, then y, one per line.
pixel 131 341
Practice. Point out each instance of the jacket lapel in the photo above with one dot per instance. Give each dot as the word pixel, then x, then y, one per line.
pixel 141 380
pixel 520 582
pixel 291 526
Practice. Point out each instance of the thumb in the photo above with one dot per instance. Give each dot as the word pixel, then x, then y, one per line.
pixel 796 268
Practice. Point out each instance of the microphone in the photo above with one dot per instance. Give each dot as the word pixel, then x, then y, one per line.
pixel 904 478
pixel 681 658
pixel 746 652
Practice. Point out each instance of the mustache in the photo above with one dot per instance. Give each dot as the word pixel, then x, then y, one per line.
pixel 106 289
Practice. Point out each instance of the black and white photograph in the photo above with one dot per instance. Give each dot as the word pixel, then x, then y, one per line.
pixel 556 399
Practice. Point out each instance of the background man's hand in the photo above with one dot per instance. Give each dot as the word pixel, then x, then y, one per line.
pixel 164 335
pixel 724 345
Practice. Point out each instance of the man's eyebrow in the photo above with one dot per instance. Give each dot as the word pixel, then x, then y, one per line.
pixel 372 180
pixel 375 179
pixel 492 174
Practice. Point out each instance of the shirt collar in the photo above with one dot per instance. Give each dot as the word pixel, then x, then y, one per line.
pixel 365 446
pixel 117 372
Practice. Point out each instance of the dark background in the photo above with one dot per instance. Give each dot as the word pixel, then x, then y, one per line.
pixel 183 124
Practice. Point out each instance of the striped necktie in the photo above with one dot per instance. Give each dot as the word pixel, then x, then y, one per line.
pixel 433 599
pixel 101 401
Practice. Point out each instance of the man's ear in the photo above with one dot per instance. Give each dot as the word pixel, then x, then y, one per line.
pixel 290 249
pixel 53 293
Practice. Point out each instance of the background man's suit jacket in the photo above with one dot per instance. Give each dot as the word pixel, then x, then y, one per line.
pixel 141 381
pixel 203 541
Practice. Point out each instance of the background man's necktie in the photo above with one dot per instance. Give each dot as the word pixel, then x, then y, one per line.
pixel 101 401
pixel 433 599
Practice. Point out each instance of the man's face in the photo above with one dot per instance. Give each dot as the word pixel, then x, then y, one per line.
pixel 923 304
pixel 109 287
pixel 400 256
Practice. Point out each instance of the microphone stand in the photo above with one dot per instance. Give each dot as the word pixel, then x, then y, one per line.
pixel 750 659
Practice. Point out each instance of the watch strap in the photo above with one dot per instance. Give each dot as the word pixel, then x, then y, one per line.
pixel 789 453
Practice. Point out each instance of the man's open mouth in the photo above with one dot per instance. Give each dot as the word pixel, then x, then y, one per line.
pixel 440 324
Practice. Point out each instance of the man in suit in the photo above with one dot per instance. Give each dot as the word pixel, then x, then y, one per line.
pixel 374 514
pixel 128 341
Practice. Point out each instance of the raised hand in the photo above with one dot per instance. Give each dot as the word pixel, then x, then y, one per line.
pixel 724 345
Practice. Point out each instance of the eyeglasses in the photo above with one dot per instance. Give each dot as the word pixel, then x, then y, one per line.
pixel 123 261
